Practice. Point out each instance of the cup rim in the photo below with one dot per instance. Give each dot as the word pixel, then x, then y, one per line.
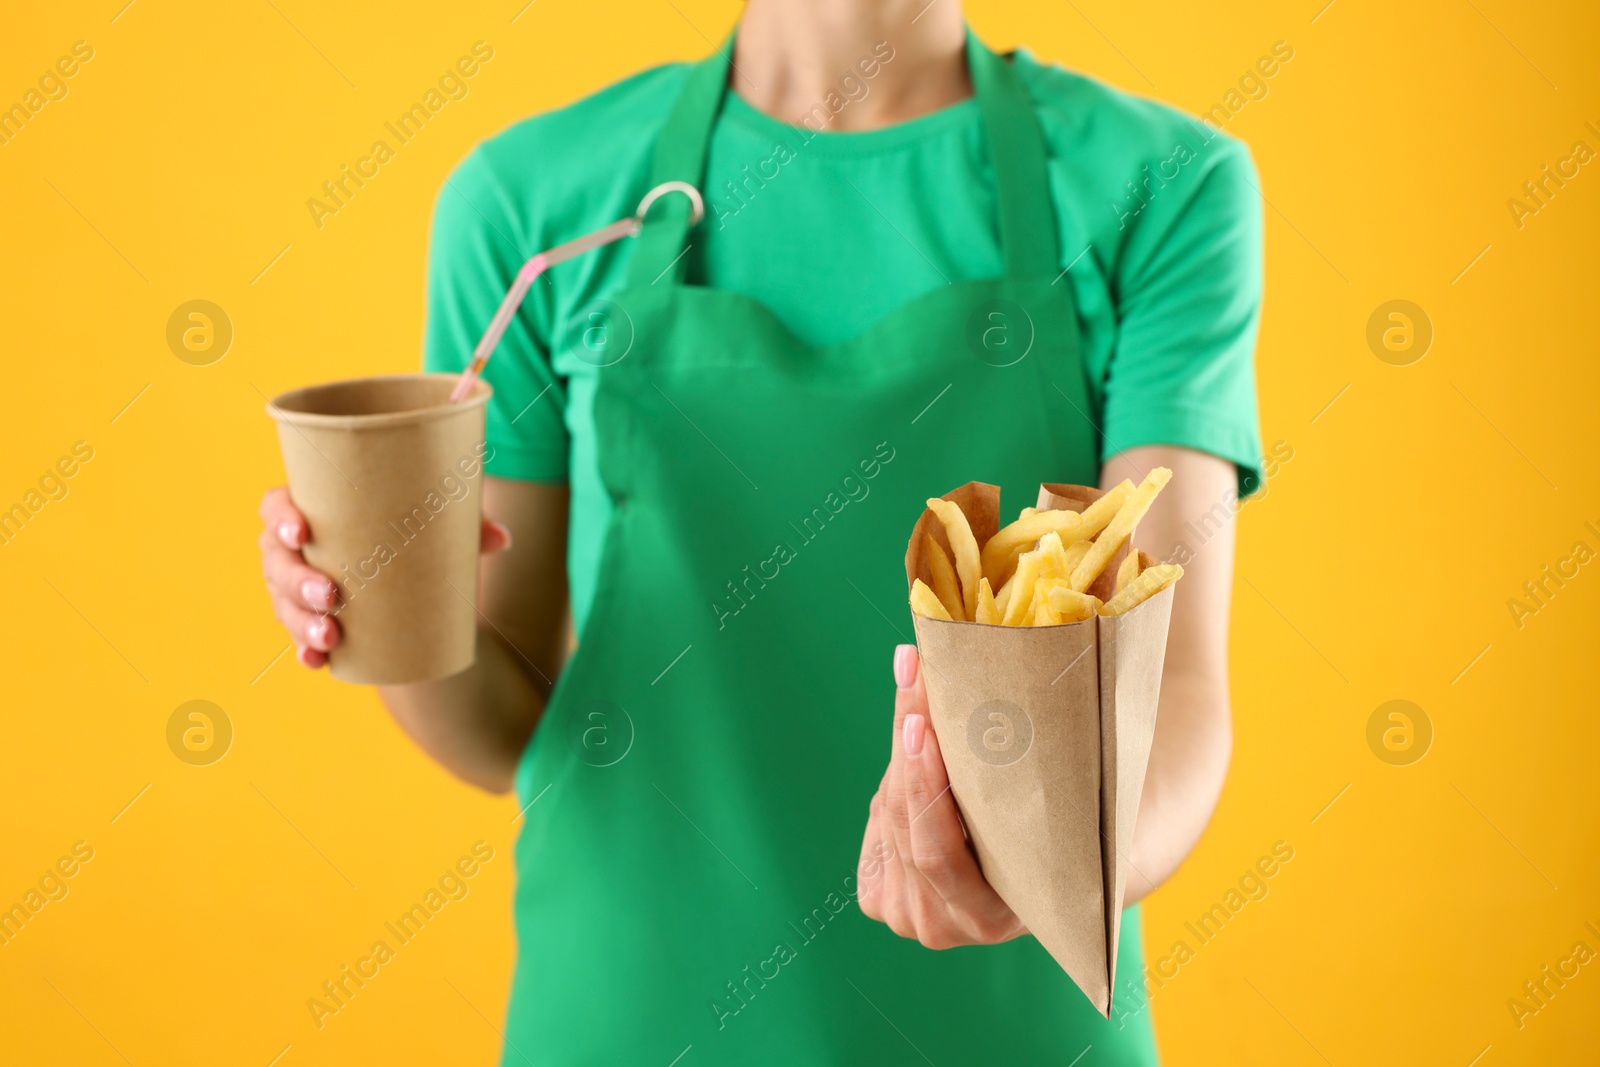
pixel 279 410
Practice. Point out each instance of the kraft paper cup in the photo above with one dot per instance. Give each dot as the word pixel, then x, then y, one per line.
pixel 389 476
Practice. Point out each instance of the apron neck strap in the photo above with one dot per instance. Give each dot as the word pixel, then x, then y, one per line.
pixel 1021 172
pixel 1016 145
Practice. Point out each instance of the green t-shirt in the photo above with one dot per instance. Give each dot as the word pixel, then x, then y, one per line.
pixel 1160 231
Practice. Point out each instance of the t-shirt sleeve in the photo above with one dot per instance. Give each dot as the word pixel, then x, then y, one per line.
pixel 1188 283
pixel 473 257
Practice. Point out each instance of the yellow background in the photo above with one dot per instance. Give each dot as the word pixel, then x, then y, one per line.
pixel 1378 567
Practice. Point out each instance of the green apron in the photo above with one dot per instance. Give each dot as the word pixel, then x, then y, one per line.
pixel 697 791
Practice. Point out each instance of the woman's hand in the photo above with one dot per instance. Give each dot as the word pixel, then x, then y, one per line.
pixel 917 872
pixel 302 597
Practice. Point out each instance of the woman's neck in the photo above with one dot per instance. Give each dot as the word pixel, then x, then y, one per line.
pixel 888 61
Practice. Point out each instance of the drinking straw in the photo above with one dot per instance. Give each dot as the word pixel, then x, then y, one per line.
pixel 624 227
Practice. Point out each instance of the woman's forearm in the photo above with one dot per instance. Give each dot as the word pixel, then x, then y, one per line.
pixel 1188 763
pixel 1193 525
pixel 476 723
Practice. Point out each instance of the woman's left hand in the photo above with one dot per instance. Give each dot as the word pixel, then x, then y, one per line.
pixel 917 872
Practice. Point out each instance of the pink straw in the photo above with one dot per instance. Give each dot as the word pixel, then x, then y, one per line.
pixel 542 262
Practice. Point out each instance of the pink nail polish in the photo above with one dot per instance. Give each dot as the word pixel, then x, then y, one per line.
pixel 315 592
pixel 289 534
pixel 905 666
pixel 916 726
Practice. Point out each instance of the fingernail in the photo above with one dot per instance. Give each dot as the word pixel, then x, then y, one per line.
pixel 905 666
pixel 303 654
pixel 315 591
pixel 320 633
pixel 916 726
pixel 289 534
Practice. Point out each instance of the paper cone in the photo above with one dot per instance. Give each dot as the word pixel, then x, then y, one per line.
pixel 1046 735
pixel 389 476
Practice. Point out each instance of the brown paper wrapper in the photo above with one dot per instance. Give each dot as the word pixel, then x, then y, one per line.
pixel 389 476
pixel 1046 735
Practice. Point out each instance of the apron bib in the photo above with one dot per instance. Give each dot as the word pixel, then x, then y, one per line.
pixel 698 787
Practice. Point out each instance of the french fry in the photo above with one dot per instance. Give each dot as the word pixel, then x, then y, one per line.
pixel 1101 512
pixel 1051 565
pixel 944 576
pixel 1000 555
pixel 1148 584
pixel 987 611
pixel 998 567
pixel 968 561
pixel 1053 561
pixel 1066 604
pixel 1070 605
pixel 1055 566
pixel 1044 615
pixel 1119 528
pixel 1020 588
pixel 1003 597
pixel 1025 512
pixel 1075 553
pixel 1129 570
pixel 925 603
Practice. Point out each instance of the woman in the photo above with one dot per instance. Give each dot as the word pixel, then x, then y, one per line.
pixel 921 265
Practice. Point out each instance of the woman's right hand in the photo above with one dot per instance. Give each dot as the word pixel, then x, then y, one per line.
pixel 302 597
pixel 918 872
